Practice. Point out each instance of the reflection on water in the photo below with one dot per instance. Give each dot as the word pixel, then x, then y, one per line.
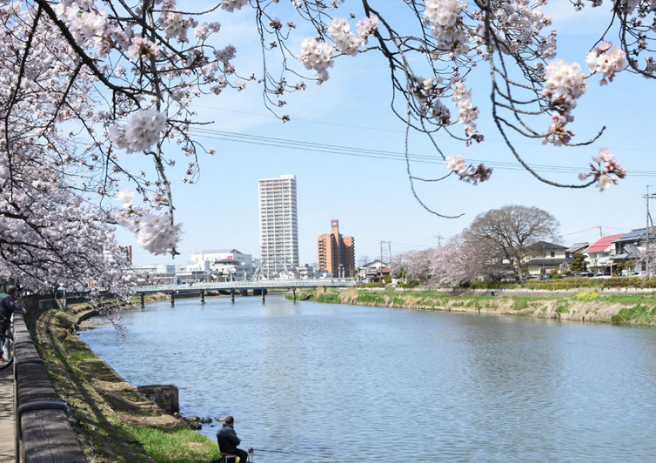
pixel 362 383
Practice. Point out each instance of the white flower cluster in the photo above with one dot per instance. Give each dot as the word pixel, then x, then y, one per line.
pixel 523 19
pixel 467 173
pixel 317 56
pixel 606 59
pixel 563 84
pixel 367 26
pixel 467 112
pixel 142 131
pixel 346 41
pixel 447 26
pixel 232 5
pixel 157 234
pixel 86 23
pixel 175 25
pixel 225 55
pixel 607 170
pixel 456 164
pixel 142 48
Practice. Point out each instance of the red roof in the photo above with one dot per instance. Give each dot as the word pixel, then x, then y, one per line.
pixel 603 243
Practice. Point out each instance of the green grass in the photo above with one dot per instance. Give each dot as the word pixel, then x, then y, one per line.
pixel 562 309
pixel 639 314
pixel 177 446
pixel 520 304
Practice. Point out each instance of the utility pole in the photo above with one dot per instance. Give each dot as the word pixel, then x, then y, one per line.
pixel 648 218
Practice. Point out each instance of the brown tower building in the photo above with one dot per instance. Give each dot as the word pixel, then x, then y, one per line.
pixel 336 253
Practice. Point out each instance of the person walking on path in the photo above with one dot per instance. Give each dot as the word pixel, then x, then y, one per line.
pixel 8 306
pixel 228 440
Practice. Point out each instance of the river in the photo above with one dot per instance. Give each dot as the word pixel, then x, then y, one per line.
pixel 375 385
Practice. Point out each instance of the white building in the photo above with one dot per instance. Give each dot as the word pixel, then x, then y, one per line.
pixel 156 274
pixel 225 263
pixel 278 224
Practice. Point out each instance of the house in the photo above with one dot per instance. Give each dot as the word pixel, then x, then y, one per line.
pixel 372 271
pixel 600 252
pixel 628 248
pixel 545 257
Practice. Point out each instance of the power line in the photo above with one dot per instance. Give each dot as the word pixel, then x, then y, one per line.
pixel 336 124
pixel 371 153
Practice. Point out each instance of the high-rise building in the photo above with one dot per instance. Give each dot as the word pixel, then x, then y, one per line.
pixel 278 224
pixel 336 252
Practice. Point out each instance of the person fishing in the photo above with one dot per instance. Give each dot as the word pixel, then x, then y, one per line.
pixel 228 440
pixel 7 308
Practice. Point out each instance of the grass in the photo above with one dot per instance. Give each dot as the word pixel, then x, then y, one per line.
pixel 175 446
pixel 108 436
pixel 639 314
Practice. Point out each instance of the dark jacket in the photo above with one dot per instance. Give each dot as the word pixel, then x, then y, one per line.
pixel 8 306
pixel 227 438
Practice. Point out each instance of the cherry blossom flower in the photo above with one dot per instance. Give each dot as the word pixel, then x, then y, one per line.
pixel 606 59
pixel 605 171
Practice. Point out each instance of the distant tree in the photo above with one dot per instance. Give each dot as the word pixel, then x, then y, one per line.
pixel 578 264
pixel 630 265
pixel 450 266
pixel 507 232
pixel 363 260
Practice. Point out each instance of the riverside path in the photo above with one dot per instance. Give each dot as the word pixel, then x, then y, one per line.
pixel 7 451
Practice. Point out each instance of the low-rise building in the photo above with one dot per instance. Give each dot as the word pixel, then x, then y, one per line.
pixel 545 257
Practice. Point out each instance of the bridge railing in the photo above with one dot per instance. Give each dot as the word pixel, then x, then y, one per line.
pixel 261 284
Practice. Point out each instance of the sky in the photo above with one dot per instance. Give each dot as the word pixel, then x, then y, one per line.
pixel 349 179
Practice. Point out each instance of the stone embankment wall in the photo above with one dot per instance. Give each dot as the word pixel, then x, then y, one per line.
pixel 559 305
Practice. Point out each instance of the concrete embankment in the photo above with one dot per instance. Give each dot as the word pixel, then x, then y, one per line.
pixel 112 420
pixel 581 306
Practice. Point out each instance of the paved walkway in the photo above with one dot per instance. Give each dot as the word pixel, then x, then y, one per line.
pixel 6 415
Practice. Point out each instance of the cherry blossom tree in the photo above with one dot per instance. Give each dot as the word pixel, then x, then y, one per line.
pixel 89 84
pixel 508 231
pixel 447 266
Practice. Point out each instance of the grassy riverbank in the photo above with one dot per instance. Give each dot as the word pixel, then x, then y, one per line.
pixel 134 430
pixel 586 306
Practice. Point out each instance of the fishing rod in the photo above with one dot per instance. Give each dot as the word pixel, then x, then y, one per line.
pixel 290 453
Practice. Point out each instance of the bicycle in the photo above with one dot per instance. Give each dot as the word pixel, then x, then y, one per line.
pixel 6 345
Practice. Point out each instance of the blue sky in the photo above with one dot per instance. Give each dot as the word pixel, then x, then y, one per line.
pixel 371 197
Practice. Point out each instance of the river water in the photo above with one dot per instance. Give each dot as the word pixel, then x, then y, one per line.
pixel 374 384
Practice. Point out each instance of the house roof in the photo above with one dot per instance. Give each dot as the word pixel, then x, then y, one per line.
pixel 577 247
pixel 633 235
pixel 541 245
pixel 548 262
pixel 603 243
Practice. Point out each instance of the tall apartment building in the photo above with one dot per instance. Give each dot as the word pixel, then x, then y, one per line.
pixel 278 223
pixel 336 252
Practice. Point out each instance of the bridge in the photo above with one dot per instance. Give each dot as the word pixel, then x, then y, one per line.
pixel 257 287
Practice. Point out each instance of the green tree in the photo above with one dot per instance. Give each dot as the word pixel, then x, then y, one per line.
pixel 578 263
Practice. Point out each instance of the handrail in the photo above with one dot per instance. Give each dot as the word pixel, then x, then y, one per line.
pixel 261 284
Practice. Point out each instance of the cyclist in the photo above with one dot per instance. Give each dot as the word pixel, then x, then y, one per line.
pixel 7 308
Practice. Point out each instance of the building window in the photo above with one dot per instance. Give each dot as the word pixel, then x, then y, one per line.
pixel 553 254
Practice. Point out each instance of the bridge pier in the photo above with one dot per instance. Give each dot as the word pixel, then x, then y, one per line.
pixel 202 296
pixel 294 293
pixel 172 298
pixel 143 300
pixel 232 296
pixel 264 291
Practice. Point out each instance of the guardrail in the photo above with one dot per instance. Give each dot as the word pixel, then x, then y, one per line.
pixel 261 284
pixel 43 433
